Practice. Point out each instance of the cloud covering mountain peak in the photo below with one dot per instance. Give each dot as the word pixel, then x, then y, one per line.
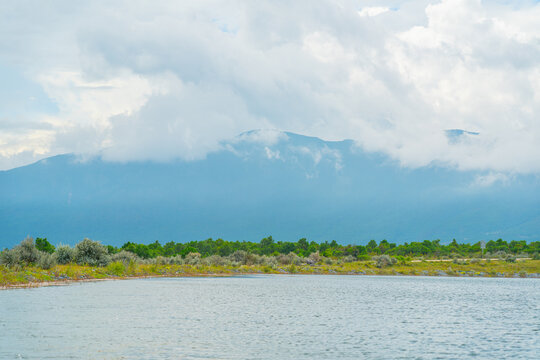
pixel 166 81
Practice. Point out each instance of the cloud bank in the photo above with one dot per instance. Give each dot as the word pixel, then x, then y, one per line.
pixel 164 80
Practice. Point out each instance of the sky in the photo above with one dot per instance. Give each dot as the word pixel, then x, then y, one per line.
pixel 164 80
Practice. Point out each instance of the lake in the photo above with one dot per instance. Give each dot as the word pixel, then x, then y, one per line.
pixel 275 317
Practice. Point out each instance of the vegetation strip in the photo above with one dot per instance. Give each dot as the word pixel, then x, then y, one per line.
pixel 38 262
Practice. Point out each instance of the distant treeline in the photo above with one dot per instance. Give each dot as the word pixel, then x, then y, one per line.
pixel 267 252
pixel 304 248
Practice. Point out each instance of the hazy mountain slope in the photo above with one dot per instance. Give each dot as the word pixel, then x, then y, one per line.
pixel 293 186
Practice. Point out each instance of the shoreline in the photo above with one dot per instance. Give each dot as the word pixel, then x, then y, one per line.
pixel 66 282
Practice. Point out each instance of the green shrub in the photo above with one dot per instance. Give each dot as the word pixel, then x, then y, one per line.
pixel 239 256
pixel 328 261
pixel 245 258
pixel 177 260
pixel 89 252
pixel 292 268
pixel 269 261
pixel 64 254
pixel 9 258
pixel 163 260
pixel 193 258
pixel 510 258
pixel 382 261
pixel 214 260
pixel 27 252
pixel 23 254
pixel 125 257
pixel 290 258
pixel 313 258
pixel 46 260
pixel 116 268
pixel 401 260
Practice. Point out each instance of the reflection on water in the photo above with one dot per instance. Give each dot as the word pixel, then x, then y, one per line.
pixel 275 317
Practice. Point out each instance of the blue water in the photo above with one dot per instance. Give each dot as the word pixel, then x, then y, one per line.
pixel 275 317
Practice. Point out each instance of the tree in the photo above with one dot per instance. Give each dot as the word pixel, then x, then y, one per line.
pixel 372 244
pixel 383 246
pixel 302 244
pixel 267 245
pixel 43 245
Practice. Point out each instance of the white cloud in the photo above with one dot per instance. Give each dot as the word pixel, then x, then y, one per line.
pixel 318 154
pixel 325 48
pixel 272 155
pixel 373 11
pixel 262 136
pixel 179 123
pixel 171 80
pixel 490 179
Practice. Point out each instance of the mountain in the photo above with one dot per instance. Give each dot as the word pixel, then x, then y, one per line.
pixel 263 183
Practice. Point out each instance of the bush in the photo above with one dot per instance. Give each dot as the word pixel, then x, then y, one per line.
pixel 89 252
pixel 177 260
pixel 500 254
pixel 239 256
pixel 401 260
pixel 382 261
pixel 125 257
pixel 475 261
pixel 349 259
pixel 46 260
pixel 313 258
pixel 289 259
pixel 193 259
pixel 270 261
pixel 64 254
pixel 214 260
pixel 245 258
pixel 509 258
pixel 23 254
pixel 27 252
pixel 292 268
pixel 9 258
pixel 116 268
pixel 162 260
pixel 328 261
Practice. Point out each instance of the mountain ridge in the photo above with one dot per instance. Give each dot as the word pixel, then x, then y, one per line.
pixel 262 183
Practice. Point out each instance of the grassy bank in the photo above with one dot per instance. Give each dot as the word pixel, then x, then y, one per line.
pixel 34 263
pixel 35 276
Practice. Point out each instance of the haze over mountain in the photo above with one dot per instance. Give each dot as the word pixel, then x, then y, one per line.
pixel 265 183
